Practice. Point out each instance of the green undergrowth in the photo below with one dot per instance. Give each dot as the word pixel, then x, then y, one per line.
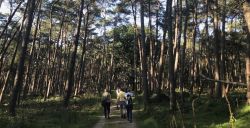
pixel 35 113
pixel 209 113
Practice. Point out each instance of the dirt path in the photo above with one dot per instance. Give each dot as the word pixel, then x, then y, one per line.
pixel 115 120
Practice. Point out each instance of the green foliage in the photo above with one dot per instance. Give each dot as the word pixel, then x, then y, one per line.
pixel 122 48
pixel 242 119
pixel 155 119
pixel 150 123
pixel 34 113
pixel 209 113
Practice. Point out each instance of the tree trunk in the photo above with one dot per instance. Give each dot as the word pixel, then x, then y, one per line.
pixel 82 61
pixel 246 12
pixel 73 58
pixel 177 36
pixel 151 51
pixel 8 73
pixel 194 59
pixel 170 59
pixel 31 54
pixel 162 59
pixel 19 77
pixel 222 48
pixel 183 52
pixel 144 58
pixel 218 89
pixel 135 51
pixel 4 50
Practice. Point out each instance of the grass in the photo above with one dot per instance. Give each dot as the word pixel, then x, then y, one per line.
pixel 35 113
pixel 84 111
pixel 209 113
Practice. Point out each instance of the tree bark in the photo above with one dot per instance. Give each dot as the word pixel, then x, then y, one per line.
pixel 151 51
pixel 144 58
pixel 183 51
pixel 82 61
pixel 135 50
pixel 194 56
pixel 31 54
pixel 19 78
pixel 162 58
pixel 222 48
pixel 170 58
pixel 8 73
pixel 73 58
pixel 246 12
pixel 218 89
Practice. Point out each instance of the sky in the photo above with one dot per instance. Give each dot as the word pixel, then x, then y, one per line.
pixel 5 8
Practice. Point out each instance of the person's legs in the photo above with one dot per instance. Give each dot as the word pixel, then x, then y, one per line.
pixel 108 109
pixel 124 111
pixel 105 110
pixel 121 110
pixel 117 105
pixel 130 115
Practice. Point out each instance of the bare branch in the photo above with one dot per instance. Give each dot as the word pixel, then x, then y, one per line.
pixel 222 81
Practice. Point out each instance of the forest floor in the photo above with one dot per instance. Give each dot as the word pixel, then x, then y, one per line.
pixel 86 112
pixel 83 112
pixel 115 120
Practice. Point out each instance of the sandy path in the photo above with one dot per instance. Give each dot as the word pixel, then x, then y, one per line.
pixel 115 120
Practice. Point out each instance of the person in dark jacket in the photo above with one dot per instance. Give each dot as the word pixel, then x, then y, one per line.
pixel 129 107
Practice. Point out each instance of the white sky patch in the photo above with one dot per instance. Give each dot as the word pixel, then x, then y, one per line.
pixel 5 7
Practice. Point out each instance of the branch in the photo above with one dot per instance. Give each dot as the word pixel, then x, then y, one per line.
pixel 222 81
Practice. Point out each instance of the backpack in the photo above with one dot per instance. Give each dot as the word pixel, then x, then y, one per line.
pixel 103 102
pixel 130 103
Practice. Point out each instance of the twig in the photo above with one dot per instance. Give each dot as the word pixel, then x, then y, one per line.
pixel 231 118
pixel 194 121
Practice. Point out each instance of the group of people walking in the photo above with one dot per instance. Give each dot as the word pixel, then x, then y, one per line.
pixel 124 102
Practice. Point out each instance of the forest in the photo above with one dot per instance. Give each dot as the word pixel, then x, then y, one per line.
pixel 186 61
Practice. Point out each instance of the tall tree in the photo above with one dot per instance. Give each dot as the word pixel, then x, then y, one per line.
pixel 218 89
pixel 222 46
pixel 170 59
pixel 194 56
pixel 151 73
pixel 20 72
pixel 183 51
pixel 136 40
pixel 161 58
pixel 31 53
pixel 73 57
pixel 82 61
pixel 144 58
pixel 246 11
